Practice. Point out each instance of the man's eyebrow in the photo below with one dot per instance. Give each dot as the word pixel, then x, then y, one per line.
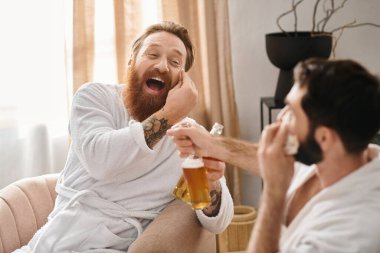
pixel 178 52
pixel 159 45
pixel 153 45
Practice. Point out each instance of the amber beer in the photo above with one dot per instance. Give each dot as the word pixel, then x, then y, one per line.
pixel 196 180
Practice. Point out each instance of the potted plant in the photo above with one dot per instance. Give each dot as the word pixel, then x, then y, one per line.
pixel 285 49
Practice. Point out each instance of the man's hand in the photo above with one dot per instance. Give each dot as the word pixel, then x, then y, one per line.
pixel 179 102
pixel 181 99
pixel 215 171
pixel 196 140
pixel 191 139
pixel 276 167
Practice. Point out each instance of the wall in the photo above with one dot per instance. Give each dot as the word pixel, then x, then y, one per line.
pixel 255 76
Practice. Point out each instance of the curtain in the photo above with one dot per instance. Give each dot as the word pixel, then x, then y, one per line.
pixel 83 42
pixel 128 23
pixel 208 26
pixel 33 91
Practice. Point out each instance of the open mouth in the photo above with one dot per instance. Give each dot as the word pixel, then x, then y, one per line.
pixel 155 85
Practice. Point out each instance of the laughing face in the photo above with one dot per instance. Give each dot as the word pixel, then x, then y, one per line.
pixel 152 73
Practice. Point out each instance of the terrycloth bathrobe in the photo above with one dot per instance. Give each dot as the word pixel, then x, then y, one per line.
pixel 344 217
pixel 113 185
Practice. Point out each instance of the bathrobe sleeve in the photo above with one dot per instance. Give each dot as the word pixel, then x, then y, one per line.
pixel 220 222
pixel 104 150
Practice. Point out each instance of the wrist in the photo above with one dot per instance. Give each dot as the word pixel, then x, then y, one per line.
pixel 273 192
pixel 215 149
pixel 169 114
pixel 215 186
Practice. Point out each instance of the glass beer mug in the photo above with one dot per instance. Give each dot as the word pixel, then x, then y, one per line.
pixel 195 176
pixel 194 189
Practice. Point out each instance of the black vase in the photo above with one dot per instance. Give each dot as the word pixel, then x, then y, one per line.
pixel 286 50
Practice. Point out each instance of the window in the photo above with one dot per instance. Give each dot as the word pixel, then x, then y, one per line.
pixel 36 77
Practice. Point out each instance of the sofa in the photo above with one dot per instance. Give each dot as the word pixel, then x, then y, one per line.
pixel 25 205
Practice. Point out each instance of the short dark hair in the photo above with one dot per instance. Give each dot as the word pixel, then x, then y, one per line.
pixel 342 95
pixel 173 28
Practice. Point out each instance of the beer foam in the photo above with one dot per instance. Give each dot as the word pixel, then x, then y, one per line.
pixel 192 163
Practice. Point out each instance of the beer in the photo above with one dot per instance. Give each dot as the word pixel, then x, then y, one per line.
pixel 194 173
pixel 181 190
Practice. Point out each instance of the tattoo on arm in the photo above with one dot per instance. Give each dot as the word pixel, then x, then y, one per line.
pixel 216 199
pixel 154 130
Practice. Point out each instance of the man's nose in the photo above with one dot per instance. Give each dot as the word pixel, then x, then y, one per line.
pixel 162 65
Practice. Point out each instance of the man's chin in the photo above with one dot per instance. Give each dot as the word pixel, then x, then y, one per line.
pixel 143 108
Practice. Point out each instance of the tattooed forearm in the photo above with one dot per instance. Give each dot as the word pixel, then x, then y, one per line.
pixel 216 199
pixel 154 130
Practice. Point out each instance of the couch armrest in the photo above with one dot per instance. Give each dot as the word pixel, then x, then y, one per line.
pixel 175 230
pixel 24 207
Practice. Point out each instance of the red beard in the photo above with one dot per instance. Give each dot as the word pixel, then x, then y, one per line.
pixel 139 103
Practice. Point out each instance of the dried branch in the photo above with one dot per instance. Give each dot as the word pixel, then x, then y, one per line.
pixel 333 11
pixel 321 24
pixel 349 25
pixel 340 35
pixel 293 9
pixel 353 24
pixel 314 15
pixel 327 11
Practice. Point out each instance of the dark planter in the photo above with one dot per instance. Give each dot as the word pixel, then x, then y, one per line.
pixel 286 50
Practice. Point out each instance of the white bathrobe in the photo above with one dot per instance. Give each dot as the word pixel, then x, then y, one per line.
pixel 113 185
pixel 344 217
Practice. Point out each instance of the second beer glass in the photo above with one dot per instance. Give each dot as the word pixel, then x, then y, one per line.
pixel 196 179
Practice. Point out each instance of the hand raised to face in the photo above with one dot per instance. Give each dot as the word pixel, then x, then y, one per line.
pixel 182 98
pixel 276 167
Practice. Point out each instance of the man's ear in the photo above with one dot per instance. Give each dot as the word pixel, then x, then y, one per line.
pixel 325 137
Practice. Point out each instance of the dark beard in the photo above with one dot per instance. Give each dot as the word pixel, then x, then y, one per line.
pixel 309 151
pixel 141 105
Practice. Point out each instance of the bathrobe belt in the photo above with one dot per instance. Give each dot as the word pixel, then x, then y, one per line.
pixel 112 209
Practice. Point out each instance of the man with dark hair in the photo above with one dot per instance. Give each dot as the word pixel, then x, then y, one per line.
pixel 121 168
pixel 325 198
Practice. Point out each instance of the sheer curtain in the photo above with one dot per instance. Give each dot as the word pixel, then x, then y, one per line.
pixel 33 91
pixel 102 34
